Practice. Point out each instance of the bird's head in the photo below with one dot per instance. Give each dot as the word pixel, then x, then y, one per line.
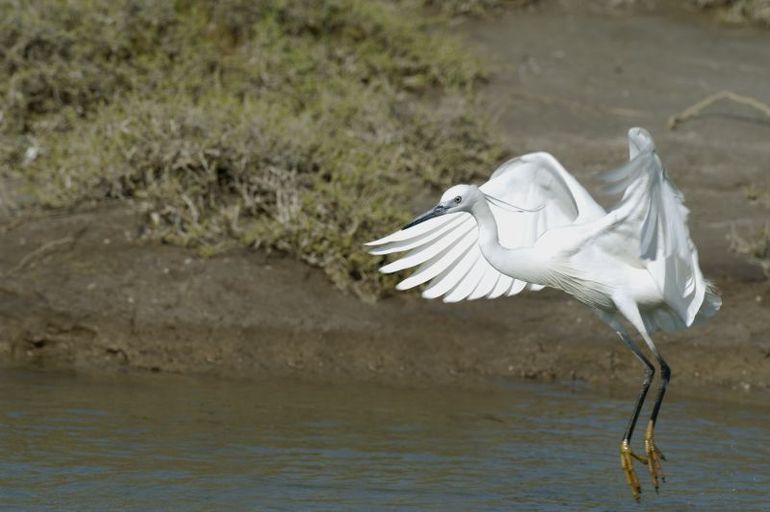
pixel 459 198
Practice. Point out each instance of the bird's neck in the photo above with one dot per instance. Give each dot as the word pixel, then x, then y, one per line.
pixel 521 263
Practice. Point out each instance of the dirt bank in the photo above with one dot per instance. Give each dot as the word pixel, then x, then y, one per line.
pixel 80 290
pixel 84 290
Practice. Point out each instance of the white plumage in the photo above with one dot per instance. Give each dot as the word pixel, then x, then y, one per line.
pixel 534 195
pixel 533 225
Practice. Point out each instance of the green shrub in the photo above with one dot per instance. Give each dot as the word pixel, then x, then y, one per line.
pixel 303 127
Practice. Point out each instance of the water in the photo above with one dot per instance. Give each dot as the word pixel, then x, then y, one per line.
pixel 175 443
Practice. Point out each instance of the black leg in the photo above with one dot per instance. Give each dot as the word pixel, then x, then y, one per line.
pixel 626 454
pixel 630 311
pixel 654 455
pixel 665 376
pixel 649 372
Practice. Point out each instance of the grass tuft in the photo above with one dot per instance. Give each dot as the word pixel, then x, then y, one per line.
pixel 475 7
pixel 756 246
pixel 738 11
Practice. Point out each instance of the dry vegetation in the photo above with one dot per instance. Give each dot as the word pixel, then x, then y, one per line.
pixel 755 246
pixel 739 11
pixel 303 127
pixel 475 7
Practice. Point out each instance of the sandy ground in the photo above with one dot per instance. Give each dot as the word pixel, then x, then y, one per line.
pixel 82 290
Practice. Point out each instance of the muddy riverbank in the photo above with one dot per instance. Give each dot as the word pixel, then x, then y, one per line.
pixel 85 290
pixel 81 291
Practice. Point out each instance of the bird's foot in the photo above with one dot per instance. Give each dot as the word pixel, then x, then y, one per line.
pixel 626 457
pixel 654 456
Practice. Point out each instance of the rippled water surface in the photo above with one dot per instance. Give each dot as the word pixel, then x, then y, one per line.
pixel 174 443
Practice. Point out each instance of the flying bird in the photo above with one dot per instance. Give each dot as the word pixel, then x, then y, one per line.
pixel 533 225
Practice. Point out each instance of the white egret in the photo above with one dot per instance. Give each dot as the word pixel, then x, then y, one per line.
pixel 533 225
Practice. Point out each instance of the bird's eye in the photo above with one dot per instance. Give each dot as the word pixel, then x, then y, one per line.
pixel 458 199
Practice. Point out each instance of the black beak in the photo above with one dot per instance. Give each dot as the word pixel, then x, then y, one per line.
pixel 435 212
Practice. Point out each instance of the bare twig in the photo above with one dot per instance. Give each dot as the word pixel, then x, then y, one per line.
pixel 756 248
pixel 10 226
pixel 696 109
pixel 44 249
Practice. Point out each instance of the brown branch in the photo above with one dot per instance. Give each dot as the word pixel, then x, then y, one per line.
pixel 46 248
pixel 696 109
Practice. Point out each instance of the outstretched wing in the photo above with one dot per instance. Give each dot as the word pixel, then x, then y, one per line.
pixel 446 249
pixel 652 211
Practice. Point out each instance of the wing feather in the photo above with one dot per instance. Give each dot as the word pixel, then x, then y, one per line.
pixel 466 286
pixel 420 239
pixel 447 252
pixel 427 252
pixel 502 286
pixel 486 284
pixel 416 231
pixel 451 276
pixel 653 208
pixel 436 265
pixel 517 287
